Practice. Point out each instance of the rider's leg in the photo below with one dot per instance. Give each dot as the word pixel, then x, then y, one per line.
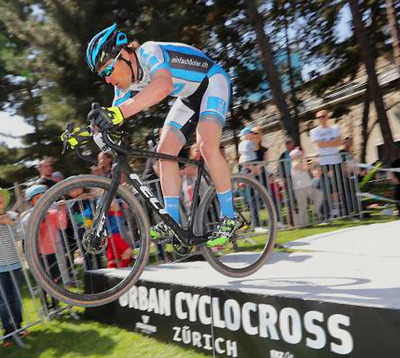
pixel 170 143
pixel 208 139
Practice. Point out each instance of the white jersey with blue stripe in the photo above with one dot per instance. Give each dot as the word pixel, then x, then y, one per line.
pixel 188 66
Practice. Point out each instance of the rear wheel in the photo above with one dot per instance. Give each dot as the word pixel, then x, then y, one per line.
pixel 57 236
pixel 251 244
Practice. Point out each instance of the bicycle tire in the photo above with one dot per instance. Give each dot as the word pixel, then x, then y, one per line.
pixel 208 254
pixel 32 254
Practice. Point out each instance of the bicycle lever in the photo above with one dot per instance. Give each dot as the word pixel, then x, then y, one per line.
pixel 69 128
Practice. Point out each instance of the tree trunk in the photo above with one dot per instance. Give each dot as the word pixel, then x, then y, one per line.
pixel 268 61
pixel 391 15
pixel 376 93
pixel 290 69
pixel 365 132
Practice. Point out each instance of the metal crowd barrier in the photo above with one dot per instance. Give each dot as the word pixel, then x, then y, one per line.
pixel 23 303
pixel 314 194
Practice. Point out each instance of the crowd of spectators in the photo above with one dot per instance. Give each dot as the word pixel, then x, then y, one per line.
pixel 326 181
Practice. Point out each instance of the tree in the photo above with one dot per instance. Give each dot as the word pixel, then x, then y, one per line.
pixel 267 58
pixel 376 93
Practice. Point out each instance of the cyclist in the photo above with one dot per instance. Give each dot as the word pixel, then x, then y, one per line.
pixel 144 75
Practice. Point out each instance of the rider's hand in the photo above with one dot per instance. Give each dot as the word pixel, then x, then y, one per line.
pixel 106 118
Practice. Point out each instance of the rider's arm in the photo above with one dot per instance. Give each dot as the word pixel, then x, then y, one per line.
pixel 159 88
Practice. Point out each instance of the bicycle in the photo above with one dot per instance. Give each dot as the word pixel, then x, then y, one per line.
pixel 103 199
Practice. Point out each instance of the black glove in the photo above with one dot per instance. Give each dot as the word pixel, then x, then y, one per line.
pixel 105 118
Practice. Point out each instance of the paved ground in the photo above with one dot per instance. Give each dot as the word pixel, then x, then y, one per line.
pixel 358 265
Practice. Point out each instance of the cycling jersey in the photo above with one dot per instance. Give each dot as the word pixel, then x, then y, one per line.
pixel 201 85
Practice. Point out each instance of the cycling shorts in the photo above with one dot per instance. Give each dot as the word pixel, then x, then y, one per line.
pixel 208 103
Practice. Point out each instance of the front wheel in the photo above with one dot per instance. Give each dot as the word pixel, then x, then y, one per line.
pixel 251 244
pixel 58 251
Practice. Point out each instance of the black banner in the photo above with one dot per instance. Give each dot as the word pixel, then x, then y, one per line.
pixel 236 324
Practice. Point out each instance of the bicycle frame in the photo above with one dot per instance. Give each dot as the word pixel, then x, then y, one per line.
pixel 122 166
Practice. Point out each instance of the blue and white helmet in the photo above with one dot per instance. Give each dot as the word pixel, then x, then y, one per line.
pixel 105 46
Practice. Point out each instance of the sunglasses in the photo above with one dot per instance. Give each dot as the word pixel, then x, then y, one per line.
pixel 110 68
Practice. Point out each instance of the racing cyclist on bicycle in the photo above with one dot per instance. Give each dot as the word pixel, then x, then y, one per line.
pixel 145 75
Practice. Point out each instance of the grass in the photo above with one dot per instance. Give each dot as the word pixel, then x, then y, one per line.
pixel 67 338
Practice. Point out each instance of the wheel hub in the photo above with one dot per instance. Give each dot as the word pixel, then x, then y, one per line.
pixel 94 244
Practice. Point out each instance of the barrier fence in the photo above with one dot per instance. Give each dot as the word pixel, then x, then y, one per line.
pixel 23 303
pixel 304 193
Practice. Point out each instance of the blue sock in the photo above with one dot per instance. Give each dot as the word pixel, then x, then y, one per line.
pixel 172 206
pixel 226 203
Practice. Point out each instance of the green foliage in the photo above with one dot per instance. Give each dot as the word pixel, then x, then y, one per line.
pixel 44 77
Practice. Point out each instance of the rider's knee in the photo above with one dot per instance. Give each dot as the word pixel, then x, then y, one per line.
pixel 208 149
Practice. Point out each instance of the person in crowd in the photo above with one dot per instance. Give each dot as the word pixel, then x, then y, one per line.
pixel 54 221
pixel 322 185
pixel 105 161
pixel 45 169
pixel 285 164
pixel 248 155
pixel 96 170
pixel 302 187
pixel 49 233
pixel 328 140
pixel 119 253
pixel 57 177
pixel 247 146
pixel 395 177
pixel 80 218
pixel 284 171
pixel 347 146
pixel 258 147
pixel 10 271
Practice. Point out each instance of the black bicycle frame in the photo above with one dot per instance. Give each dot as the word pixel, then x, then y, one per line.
pixel 187 236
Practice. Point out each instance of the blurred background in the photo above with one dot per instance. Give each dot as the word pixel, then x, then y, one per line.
pixel 287 60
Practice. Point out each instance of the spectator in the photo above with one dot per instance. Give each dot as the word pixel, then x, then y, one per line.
pixel 247 146
pixel 119 253
pixel 284 170
pixel 395 177
pixel 45 169
pixel 258 147
pixel 57 176
pixel 328 141
pixel 54 221
pixel 80 219
pixel 285 159
pixel 105 161
pixel 96 170
pixel 10 272
pixel 302 187
pixel 347 146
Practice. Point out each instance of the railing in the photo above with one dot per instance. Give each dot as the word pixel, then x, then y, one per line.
pixel 307 193
pixel 22 302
